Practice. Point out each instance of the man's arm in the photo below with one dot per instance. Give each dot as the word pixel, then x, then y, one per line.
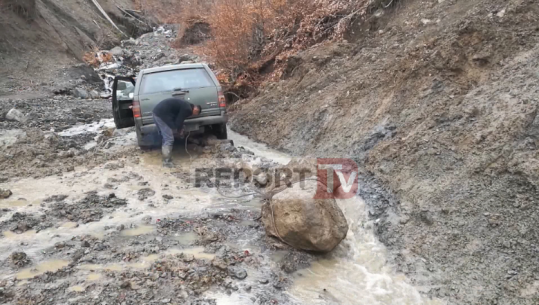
pixel 179 121
pixel 184 114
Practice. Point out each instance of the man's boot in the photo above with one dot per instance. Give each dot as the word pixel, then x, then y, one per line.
pixel 167 156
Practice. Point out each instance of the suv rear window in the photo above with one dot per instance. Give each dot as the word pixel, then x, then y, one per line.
pixel 170 80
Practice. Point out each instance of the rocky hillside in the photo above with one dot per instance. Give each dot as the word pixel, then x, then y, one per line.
pixel 39 39
pixel 437 100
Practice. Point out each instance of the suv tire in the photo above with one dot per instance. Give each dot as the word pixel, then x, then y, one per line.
pixel 219 130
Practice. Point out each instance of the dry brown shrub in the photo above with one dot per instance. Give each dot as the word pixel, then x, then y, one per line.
pixel 95 57
pixel 251 40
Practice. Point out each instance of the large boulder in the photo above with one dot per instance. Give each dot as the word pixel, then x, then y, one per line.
pixel 303 222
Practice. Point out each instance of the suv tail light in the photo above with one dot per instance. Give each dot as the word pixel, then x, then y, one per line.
pixel 136 109
pixel 222 99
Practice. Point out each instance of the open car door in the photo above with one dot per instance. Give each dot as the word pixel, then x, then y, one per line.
pixel 123 91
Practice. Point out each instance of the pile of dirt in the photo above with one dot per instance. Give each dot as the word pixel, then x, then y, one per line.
pixel 90 208
pixel 196 30
pixel 437 102
pixel 21 222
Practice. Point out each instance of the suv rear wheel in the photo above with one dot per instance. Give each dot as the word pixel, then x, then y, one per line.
pixel 219 130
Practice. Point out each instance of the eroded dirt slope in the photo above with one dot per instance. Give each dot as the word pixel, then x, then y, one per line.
pixel 437 100
pixel 40 38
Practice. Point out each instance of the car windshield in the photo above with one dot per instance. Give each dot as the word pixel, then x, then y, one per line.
pixel 175 80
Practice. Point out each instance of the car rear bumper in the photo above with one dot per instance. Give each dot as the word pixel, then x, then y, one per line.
pixel 147 134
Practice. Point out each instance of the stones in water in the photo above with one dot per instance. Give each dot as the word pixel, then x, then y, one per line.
pixel 237 272
pixel 5 193
pixel 19 259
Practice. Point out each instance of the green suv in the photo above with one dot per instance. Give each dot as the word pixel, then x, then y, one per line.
pixel 133 100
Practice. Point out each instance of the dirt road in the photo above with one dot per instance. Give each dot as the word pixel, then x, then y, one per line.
pixel 93 219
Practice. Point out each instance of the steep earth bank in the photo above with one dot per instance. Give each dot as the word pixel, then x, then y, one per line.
pixel 438 102
pixel 39 39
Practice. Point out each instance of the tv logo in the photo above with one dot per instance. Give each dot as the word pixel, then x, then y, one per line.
pixel 338 178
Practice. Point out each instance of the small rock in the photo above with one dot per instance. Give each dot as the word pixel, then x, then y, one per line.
pixel 165 301
pixel 78 254
pixel 66 154
pixel 237 272
pixel 80 93
pixel 117 51
pixel 16 115
pixel 188 258
pixel 210 237
pixel 278 285
pixel 264 281
pixel 125 285
pixel 219 264
pixel 187 58
pixel 19 259
pixel 5 193
pixel 95 95
pixel 85 244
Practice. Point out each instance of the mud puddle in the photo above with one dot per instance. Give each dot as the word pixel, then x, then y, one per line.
pixel 259 149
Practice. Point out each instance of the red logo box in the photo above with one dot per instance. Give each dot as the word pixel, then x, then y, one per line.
pixel 338 178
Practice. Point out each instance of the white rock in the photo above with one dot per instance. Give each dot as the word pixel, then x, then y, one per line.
pixel 16 115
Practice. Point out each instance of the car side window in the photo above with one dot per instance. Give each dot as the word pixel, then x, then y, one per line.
pixel 125 90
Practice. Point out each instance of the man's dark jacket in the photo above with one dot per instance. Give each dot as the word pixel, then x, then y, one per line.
pixel 173 111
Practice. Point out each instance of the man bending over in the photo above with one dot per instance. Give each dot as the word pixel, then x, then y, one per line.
pixel 169 116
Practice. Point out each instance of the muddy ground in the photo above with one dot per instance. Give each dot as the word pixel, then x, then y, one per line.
pixel 118 228
pixel 88 218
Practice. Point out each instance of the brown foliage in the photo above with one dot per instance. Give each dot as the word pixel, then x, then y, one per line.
pixel 95 58
pixel 251 40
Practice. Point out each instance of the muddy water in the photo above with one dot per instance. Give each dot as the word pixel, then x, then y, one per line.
pixel 77 183
pixel 41 268
pixel 355 273
pixel 258 148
